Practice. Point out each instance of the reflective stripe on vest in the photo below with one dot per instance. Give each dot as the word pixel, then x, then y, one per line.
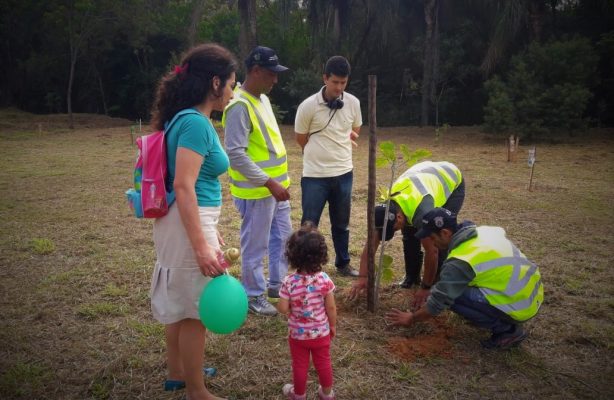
pixel 265 149
pixel 409 190
pixel 508 280
pixel 448 174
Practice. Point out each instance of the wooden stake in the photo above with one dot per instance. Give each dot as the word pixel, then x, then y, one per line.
pixel 532 160
pixel 132 135
pixel 372 296
pixel 517 144
pixel 512 147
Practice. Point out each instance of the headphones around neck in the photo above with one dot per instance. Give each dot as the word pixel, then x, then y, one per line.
pixel 335 104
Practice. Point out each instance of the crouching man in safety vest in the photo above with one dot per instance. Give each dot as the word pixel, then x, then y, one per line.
pixel 485 279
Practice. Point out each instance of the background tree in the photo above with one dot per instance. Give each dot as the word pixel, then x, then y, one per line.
pixel 427 68
pixel 431 53
pixel 247 33
pixel 548 87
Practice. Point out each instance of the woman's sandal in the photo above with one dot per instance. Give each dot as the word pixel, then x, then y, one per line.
pixel 172 385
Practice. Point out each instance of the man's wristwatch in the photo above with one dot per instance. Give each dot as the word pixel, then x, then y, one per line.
pixel 425 286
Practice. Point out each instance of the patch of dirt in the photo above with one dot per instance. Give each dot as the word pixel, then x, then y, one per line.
pixel 431 344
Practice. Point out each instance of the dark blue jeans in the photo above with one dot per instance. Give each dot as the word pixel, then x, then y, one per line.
pixel 473 306
pixel 337 191
pixel 412 251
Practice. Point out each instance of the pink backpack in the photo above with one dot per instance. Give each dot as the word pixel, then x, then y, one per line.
pixel 151 197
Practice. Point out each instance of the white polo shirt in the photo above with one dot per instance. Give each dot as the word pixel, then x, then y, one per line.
pixel 328 153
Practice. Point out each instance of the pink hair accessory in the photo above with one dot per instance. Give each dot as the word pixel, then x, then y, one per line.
pixel 179 69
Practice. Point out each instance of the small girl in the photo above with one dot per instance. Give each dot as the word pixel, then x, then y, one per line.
pixel 307 298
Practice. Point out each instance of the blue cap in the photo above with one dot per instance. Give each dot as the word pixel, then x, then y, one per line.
pixel 436 220
pixel 266 58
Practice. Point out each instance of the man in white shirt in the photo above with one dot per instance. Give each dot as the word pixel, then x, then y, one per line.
pixel 326 125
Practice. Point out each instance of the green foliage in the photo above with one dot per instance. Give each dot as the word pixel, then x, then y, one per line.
pixel 112 290
pixel 407 374
pixel 302 84
pixel 415 156
pixel 279 113
pixel 121 48
pixel 22 379
pixel 499 112
pixel 389 155
pixel 386 271
pixel 97 310
pixel 43 246
pixel 548 88
pixel 387 148
pixel 222 27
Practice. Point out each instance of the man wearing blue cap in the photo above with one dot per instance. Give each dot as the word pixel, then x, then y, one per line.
pixel 484 279
pixel 259 179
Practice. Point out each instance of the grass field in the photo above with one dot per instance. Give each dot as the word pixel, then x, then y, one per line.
pixel 75 272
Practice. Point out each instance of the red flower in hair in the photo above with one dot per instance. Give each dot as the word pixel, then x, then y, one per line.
pixel 180 69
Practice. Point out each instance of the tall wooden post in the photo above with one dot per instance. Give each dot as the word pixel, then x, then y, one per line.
pixel 371 290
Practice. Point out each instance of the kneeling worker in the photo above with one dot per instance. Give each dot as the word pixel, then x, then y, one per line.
pixel 485 279
pixel 417 191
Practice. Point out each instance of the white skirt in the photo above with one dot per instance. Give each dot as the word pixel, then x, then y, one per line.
pixel 177 281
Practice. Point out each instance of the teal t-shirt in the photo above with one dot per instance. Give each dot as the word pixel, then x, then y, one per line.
pixel 195 132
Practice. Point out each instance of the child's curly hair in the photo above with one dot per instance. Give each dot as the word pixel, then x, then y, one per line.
pixel 306 249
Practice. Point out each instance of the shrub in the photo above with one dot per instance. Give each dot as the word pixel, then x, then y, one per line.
pixel 547 88
pixel 499 111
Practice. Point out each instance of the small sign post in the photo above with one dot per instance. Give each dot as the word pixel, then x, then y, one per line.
pixel 512 147
pixel 531 162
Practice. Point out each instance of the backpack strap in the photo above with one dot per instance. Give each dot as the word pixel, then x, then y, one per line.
pixel 170 193
pixel 187 111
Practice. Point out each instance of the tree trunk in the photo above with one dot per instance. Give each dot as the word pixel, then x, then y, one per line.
pixel 247 28
pixel 429 44
pixel 372 292
pixel 197 14
pixel 537 9
pixel 102 96
pixel 341 23
pixel 435 76
pixel 71 78
pixel 71 75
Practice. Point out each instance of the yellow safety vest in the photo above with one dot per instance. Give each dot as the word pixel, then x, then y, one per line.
pixel 409 190
pixel 508 280
pixel 448 173
pixel 265 147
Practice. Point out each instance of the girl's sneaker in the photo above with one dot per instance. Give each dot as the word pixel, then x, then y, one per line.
pixel 322 396
pixel 288 391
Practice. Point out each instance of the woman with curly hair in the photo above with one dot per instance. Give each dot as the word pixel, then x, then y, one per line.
pixel 307 297
pixel 186 239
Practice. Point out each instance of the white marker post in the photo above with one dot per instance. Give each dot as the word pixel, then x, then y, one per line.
pixel 531 162
pixel 512 147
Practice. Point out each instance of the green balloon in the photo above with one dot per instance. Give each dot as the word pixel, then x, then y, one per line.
pixel 223 305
